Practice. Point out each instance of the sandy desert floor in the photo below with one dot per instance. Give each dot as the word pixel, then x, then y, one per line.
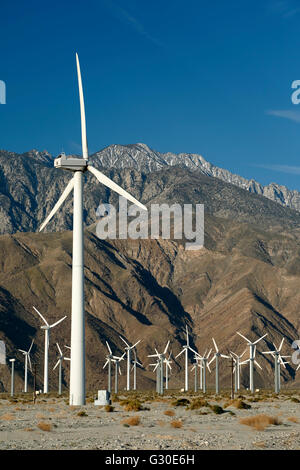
pixel 163 423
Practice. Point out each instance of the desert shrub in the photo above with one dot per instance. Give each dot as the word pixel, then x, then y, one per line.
pixel 109 408
pixel 198 403
pixel 131 405
pixel 169 413
pixel 181 402
pixel 238 403
pixel 260 422
pixel 44 426
pixel 295 400
pixel 7 417
pixel 82 413
pixel 176 424
pixel 218 410
pixel 132 421
pixel 293 419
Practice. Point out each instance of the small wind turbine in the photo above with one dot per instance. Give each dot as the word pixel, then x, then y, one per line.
pixel 204 364
pixel 278 360
pixel 185 350
pixel 167 367
pixel 161 358
pixel 117 361
pixel 47 329
pixel 216 357
pixel 61 357
pixel 109 360
pixel 237 369
pixel 12 382
pixel 252 361
pixel 128 350
pixel 78 166
pixel 27 361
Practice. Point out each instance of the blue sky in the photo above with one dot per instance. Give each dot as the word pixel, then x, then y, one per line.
pixel 212 78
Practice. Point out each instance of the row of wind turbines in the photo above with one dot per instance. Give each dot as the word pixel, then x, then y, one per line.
pixel 162 366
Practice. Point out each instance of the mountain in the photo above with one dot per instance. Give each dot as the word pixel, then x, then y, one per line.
pixel 141 157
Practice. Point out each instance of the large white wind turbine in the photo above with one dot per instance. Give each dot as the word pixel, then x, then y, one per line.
pixel 47 328
pixel 27 361
pixel 252 361
pixel 128 350
pixel 135 364
pixel 61 357
pixel 78 166
pixel 185 350
pixel 237 368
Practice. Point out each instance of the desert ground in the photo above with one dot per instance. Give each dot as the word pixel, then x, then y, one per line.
pixel 148 421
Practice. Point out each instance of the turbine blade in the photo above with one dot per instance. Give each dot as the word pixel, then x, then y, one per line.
pixel 56 323
pixel 82 112
pixel 30 346
pixel 115 187
pixel 29 361
pixel 135 344
pixel 260 338
pixel 60 351
pixel 256 363
pixel 215 344
pixel 39 313
pixel 56 365
pixel 62 198
pixel 166 348
pixel 125 342
pixel 108 347
pixel 279 349
pixel 179 353
pixel 244 337
pixel 105 364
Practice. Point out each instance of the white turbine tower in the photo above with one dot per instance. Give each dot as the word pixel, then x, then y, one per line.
pixel 128 350
pixel 237 369
pixel 135 363
pixel 78 166
pixel 204 365
pixel 161 357
pixel 117 361
pixel 252 361
pixel 185 350
pixel 47 329
pixel 167 362
pixel 216 357
pixel 27 361
pixel 61 358
pixel 109 360
pixel 278 360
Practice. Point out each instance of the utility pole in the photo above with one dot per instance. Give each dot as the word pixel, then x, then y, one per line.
pixel 34 383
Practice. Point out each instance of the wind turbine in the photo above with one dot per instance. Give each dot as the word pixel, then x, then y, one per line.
pixel 161 358
pixel 47 328
pixel 278 360
pixel 78 166
pixel 185 350
pixel 61 357
pixel 128 351
pixel 117 361
pixel 167 367
pixel 252 361
pixel 12 380
pixel 204 364
pixel 157 368
pixel 135 363
pixel 216 357
pixel 109 360
pixel 237 369
pixel 27 360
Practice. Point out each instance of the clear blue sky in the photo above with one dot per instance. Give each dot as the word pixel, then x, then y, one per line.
pixel 212 78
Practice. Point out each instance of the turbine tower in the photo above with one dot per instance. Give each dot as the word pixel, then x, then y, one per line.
pixel 78 166
pixel 47 328
pixel 161 357
pixel 117 361
pixel 252 361
pixel 237 369
pixel 135 363
pixel 109 360
pixel 278 359
pixel 185 350
pixel 27 361
pixel 216 357
pixel 61 357
pixel 128 351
